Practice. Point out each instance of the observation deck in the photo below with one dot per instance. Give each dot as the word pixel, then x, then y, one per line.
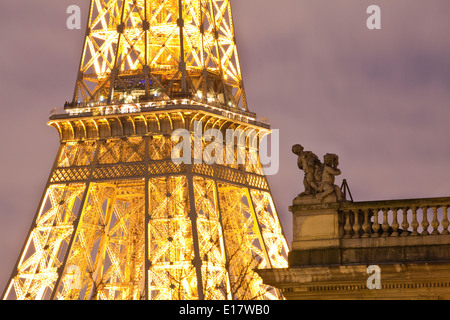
pixel 96 120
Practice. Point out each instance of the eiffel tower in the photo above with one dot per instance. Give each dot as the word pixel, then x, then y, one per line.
pixel 119 219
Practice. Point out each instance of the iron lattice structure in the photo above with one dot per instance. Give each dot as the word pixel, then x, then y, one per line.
pixel 141 49
pixel 119 219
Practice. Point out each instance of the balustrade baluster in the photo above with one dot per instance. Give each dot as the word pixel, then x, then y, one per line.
pixel 445 222
pixel 356 225
pixel 347 226
pixel 405 224
pixel 376 225
pixel 385 224
pixel 366 224
pixel 425 222
pixel 414 222
pixel 401 218
pixel 394 224
pixel 435 222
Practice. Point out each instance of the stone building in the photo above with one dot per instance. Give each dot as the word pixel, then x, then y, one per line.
pixel 341 249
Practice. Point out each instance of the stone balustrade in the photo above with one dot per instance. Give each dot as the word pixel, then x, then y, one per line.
pixel 394 218
pixel 335 243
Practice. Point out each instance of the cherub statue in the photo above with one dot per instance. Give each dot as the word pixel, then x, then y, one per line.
pixel 319 178
pixel 330 170
pixel 310 164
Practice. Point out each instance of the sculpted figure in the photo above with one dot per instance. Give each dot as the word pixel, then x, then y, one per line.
pixel 310 164
pixel 319 178
pixel 327 185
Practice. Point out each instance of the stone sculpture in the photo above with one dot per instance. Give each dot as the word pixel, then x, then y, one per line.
pixel 319 177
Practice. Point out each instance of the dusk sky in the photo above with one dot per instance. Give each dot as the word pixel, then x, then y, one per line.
pixel 380 99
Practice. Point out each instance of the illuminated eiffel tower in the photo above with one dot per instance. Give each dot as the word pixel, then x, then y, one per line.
pixel 119 219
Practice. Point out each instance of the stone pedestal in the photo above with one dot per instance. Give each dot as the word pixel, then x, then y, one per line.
pixel 315 231
pixel 315 224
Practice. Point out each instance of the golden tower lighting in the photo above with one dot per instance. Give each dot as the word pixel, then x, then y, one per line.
pixel 119 219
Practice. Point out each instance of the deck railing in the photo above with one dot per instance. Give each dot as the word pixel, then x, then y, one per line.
pixel 395 218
